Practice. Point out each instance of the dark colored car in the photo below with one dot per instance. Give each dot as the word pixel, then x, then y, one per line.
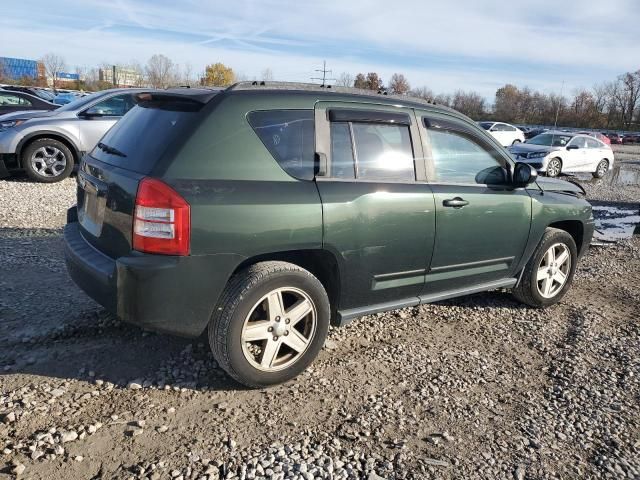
pixel 11 101
pixel 42 93
pixel 615 138
pixel 629 138
pixel 263 214
pixel 534 131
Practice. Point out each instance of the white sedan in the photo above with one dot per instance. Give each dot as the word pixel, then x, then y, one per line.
pixel 554 153
pixel 505 133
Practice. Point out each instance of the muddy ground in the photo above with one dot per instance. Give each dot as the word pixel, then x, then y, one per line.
pixel 477 387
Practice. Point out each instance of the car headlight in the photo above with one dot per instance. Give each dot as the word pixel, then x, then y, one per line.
pixel 537 155
pixel 11 123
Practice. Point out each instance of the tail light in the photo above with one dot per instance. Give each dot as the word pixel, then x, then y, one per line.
pixel 162 220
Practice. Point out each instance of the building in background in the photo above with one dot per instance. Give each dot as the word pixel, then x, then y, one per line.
pixel 67 80
pixel 125 77
pixel 20 68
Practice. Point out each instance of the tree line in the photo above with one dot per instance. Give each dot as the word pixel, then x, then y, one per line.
pixel 610 105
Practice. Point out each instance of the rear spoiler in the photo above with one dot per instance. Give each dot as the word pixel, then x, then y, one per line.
pixel 175 96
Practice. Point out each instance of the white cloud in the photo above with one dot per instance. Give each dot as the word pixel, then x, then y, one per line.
pixel 446 45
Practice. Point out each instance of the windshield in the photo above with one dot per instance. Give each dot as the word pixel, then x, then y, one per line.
pixel 486 125
pixel 550 140
pixel 80 102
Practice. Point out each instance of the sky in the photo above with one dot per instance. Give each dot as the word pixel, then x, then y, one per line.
pixel 445 45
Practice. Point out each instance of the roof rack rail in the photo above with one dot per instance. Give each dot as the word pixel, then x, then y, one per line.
pixel 300 86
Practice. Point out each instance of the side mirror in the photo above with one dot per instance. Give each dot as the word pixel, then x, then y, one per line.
pixel 573 147
pixel 523 175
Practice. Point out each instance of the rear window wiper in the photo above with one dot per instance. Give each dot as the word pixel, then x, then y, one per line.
pixel 111 150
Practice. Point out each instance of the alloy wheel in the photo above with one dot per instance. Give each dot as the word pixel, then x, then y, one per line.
pixel 603 167
pixel 48 161
pixel 553 168
pixel 553 270
pixel 279 329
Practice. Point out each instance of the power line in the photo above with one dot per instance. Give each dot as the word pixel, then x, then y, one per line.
pixel 324 72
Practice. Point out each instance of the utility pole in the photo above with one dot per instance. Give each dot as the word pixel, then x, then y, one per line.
pixel 113 71
pixel 324 72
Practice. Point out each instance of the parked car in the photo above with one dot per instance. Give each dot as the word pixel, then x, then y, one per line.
pixel 264 214
pixel 615 138
pixel 11 102
pixel 557 152
pixel 506 134
pixel 47 145
pixel 598 135
pixel 534 131
pixel 38 92
pixel 629 138
pixel 64 98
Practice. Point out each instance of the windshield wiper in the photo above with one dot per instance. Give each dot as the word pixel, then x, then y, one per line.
pixel 111 150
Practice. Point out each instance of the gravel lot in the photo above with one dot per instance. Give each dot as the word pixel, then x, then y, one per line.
pixel 479 387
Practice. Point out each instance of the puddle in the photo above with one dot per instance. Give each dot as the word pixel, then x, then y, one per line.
pixel 623 174
pixel 616 222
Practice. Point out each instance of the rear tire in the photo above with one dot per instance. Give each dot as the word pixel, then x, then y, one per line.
pixel 554 167
pixel 540 286
pixel 47 160
pixel 601 169
pixel 269 297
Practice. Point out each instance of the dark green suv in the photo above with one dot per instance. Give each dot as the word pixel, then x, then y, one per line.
pixel 265 213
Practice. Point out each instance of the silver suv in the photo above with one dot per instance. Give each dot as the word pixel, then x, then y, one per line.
pixel 47 145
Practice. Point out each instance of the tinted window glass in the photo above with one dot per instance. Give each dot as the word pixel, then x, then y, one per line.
pixel 342 165
pixel 8 100
pixel 591 143
pixel 486 125
pixel 580 142
pixel 383 152
pixel 508 128
pixel 460 157
pixel 113 107
pixel 289 135
pixel 142 136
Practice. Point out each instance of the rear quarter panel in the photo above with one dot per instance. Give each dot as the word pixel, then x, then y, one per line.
pixel 242 201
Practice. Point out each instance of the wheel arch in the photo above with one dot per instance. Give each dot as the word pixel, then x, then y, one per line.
pixel 320 262
pixel 29 139
pixel 575 228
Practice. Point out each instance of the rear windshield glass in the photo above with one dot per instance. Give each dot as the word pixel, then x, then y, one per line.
pixel 289 136
pixel 142 136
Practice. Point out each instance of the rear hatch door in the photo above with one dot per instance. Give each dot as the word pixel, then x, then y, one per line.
pixel 109 175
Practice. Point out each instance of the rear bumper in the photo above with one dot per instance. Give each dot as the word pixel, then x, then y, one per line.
pixel 174 295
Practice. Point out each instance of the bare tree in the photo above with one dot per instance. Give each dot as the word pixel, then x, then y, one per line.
pixel 160 71
pixel 469 103
pixel 266 75
pixel 423 92
pixel 399 84
pixel 53 65
pixel 345 80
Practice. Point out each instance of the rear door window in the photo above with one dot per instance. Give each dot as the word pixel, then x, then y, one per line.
pixel 383 152
pixel 115 106
pixel 289 135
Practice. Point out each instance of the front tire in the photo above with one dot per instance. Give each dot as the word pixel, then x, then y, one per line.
pixel 554 167
pixel 549 272
pixel 601 169
pixel 47 160
pixel 271 322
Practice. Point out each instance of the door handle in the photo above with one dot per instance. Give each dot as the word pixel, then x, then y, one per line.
pixel 455 202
